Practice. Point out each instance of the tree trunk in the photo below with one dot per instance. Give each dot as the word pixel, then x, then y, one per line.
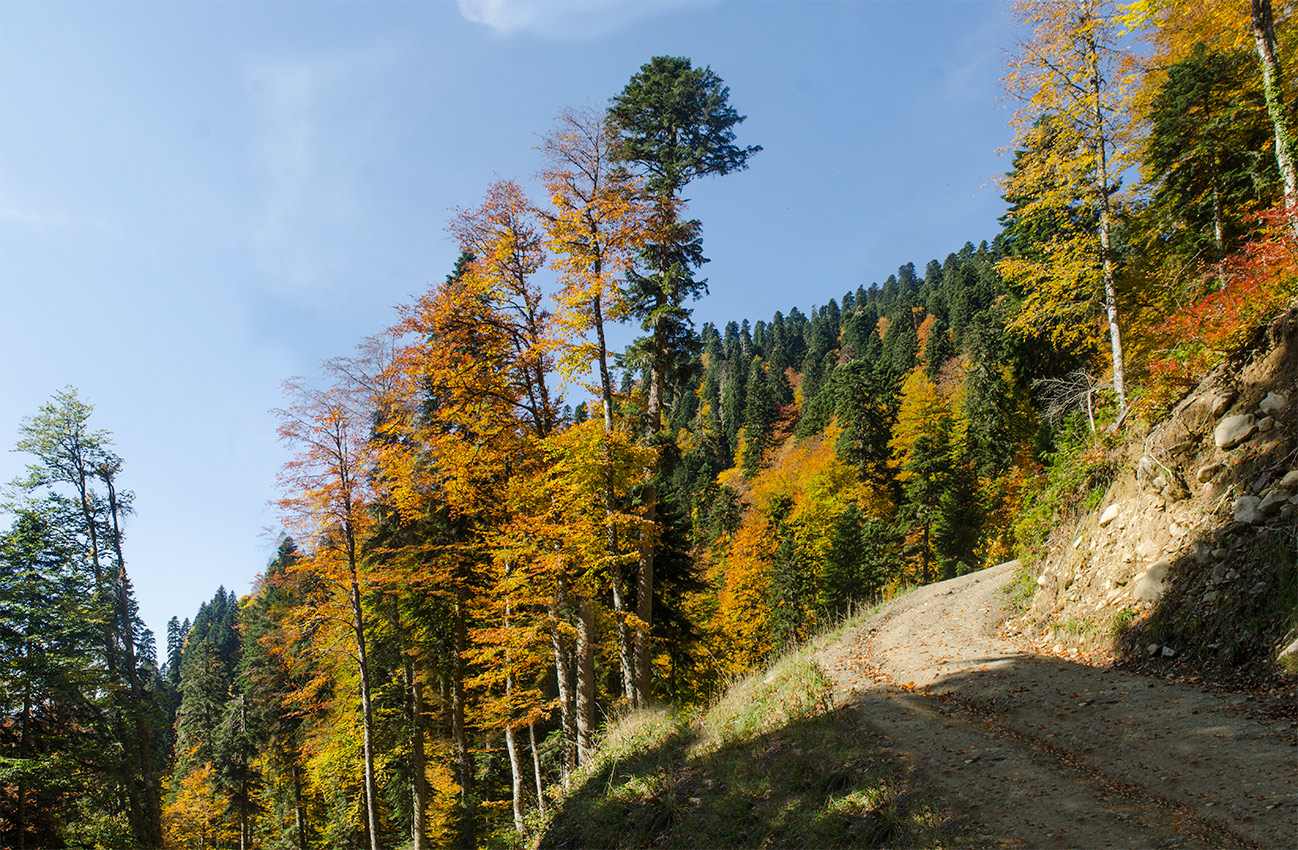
pixel 1106 249
pixel 24 753
pixel 1273 89
pixel 605 379
pixel 624 640
pixel 511 744
pixel 585 680
pixel 536 768
pixel 645 575
pixel 112 642
pixel 299 820
pixel 1218 226
pixel 516 777
pixel 563 677
pixel 152 798
pixel 463 759
pixel 414 716
pixel 367 715
pixel 617 580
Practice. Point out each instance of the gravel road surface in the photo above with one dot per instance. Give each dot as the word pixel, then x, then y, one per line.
pixel 1036 751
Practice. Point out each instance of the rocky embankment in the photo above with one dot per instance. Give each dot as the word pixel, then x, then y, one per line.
pixel 1189 559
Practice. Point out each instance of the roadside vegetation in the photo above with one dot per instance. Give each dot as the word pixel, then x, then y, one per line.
pixel 771 763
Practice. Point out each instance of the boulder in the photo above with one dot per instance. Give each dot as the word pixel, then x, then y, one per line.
pixel 1109 515
pixel 1209 472
pixel 1290 480
pixel 1196 415
pixel 1175 489
pixel 1273 403
pixel 1222 402
pixel 1246 510
pixel 1233 430
pixel 1266 423
pixel 1151 584
pixel 1273 500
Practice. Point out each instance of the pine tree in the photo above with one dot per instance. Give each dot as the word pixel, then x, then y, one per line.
pixel 75 474
pixel 759 416
pixel 53 749
pixel 676 125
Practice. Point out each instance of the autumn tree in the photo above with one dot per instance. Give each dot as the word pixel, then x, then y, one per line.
pixel 1073 81
pixel 328 492
pixel 267 681
pixel 595 226
pixel 675 124
pixel 1176 28
pixel 921 448
pixel 473 378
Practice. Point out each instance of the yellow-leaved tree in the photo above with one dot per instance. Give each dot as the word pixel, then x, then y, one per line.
pixel 1175 27
pixel 595 225
pixel 1074 81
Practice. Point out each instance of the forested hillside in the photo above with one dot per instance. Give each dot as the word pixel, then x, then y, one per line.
pixel 500 532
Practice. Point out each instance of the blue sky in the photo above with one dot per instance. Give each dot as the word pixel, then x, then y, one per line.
pixel 199 200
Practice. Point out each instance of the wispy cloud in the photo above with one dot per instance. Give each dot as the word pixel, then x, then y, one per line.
pixel 309 119
pixel 36 219
pixel 565 20
pixel 42 218
pixel 503 16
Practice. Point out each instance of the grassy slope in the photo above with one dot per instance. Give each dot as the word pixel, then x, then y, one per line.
pixel 770 764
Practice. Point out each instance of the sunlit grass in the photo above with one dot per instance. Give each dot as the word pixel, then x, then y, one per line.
pixel 770 763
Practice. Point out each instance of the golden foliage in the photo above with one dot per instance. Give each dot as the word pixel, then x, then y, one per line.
pixel 193 816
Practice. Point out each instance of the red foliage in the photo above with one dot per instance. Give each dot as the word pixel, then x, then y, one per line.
pixel 1246 290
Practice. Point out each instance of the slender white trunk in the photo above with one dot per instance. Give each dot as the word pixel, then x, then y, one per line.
pixel 585 680
pixel 367 712
pixel 1273 89
pixel 511 745
pixel 616 578
pixel 1106 248
pixel 563 678
pixel 516 777
pixel 536 768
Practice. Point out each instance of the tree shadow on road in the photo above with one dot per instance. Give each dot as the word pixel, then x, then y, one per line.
pixel 821 781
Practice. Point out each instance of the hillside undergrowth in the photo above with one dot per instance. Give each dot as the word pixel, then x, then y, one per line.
pixel 771 763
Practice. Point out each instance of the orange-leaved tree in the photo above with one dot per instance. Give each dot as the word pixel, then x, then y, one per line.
pixel 595 225
pixel 328 503
pixel 473 379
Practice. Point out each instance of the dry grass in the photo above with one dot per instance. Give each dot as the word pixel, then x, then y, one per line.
pixel 771 763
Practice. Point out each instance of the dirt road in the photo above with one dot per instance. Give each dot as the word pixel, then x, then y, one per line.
pixel 1036 751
